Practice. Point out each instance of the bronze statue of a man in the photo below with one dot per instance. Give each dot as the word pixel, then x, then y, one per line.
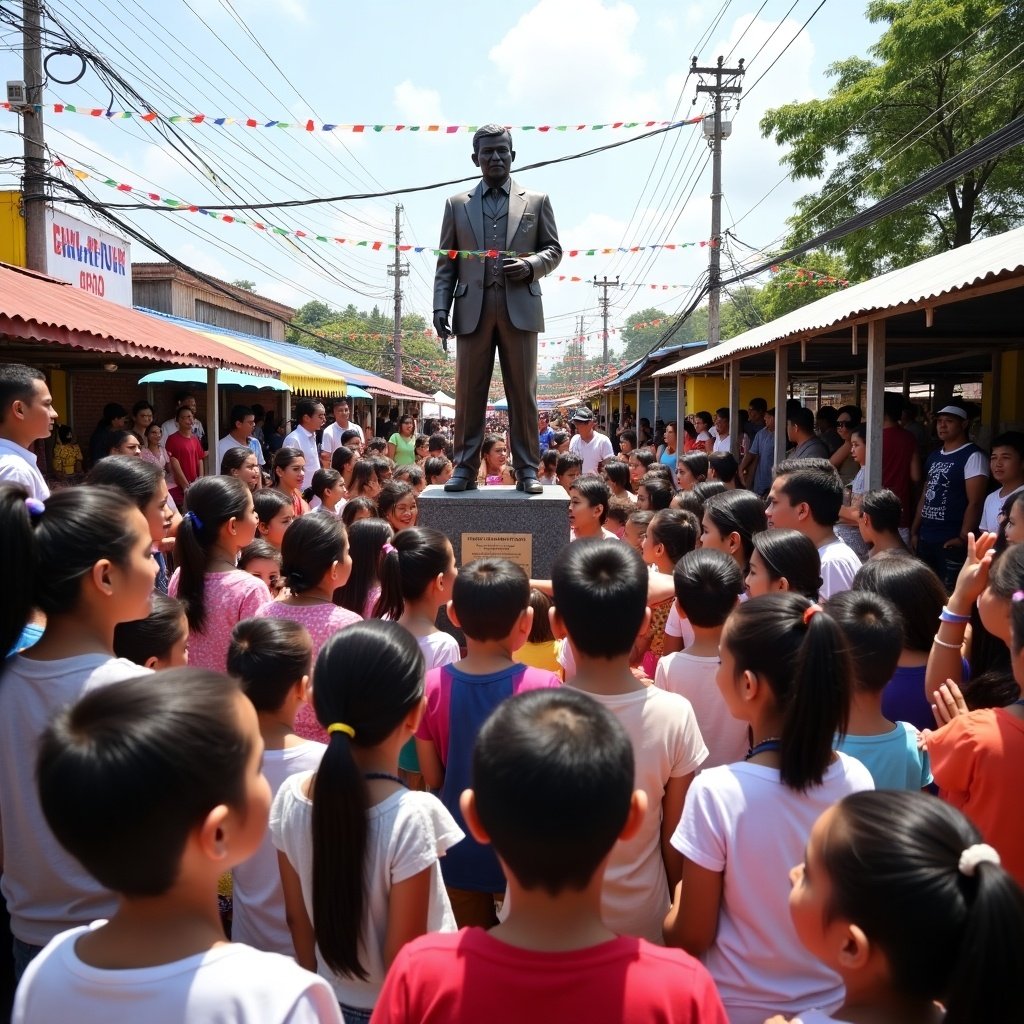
pixel 497 304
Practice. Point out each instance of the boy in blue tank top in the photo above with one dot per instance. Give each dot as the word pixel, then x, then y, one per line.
pixel 491 605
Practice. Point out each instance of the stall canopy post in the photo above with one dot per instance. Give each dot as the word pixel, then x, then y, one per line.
pixel 288 408
pixel 680 411
pixel 781 393
pixel 637 414
pixel 735 433
pixel 657 395
pixel 212 422
pixel 876 389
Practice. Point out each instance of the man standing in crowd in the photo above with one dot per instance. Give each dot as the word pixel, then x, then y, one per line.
pixel 185 454
pixel 588 443
pixel 331 438
pixel 243 423
pixel 800 430
pixel 756 410
pixel 955 481
pixel 901 461
pixel 720 438
pixel 27 415
pixel 309 418
pixel 544 431
pixel 187 399
pixel 756 469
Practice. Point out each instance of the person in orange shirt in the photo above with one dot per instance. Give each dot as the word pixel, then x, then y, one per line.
pixel 978 760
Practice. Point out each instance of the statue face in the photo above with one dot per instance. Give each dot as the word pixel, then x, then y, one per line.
pixel 494 156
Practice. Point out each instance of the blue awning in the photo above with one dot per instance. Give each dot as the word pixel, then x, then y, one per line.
pixel 225 378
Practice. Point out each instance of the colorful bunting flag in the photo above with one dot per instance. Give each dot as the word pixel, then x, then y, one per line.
pixel 314 126
pixel 376 246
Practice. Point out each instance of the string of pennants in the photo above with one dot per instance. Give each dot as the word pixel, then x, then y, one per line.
pixel 375 246
pixel 308 125
pixel 804 277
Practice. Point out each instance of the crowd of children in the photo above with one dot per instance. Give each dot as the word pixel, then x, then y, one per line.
pixel 714 771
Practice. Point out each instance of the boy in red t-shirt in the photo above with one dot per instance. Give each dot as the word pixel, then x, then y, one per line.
pixel 185 452
pixel 552 792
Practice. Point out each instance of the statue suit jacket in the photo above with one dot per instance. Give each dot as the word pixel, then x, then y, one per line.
pixel 530 233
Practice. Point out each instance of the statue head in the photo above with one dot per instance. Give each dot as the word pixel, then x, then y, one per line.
pixel 493 153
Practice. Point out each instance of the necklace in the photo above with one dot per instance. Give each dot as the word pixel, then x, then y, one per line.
pixel 385 777
pixel 769 744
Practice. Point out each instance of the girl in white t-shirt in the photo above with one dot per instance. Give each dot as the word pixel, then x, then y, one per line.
pixel 220 521
pixel 786 672
pixel 358 851
pixel 83 560
pixel 900 897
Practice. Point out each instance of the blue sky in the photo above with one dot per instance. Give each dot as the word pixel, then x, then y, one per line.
pixel 521 63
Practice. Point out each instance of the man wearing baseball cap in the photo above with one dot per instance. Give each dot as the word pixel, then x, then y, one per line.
pixel 589 443
pixel 955 480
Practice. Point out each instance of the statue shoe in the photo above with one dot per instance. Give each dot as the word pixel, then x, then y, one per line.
pixel 530 485
pixel 460 483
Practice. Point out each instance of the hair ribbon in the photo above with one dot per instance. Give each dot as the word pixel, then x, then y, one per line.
pixel 979 853
pixel 810 612
pixel 341 727
pixel 388 547
pixel 194 520
pixel 1018 595
pixel 34 507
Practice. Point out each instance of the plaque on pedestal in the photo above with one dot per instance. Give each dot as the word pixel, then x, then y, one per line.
pixel 500 522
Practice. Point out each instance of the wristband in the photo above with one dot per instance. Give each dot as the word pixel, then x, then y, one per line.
pixel 947 616
pixel 942 643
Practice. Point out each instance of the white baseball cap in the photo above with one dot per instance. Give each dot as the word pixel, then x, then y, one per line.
pixel 952 410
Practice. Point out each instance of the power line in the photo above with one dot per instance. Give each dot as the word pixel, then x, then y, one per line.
pixel 786 47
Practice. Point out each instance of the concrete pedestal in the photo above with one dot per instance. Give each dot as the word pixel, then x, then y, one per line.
pixel 500 522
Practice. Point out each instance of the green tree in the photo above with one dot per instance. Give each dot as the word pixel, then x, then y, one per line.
pixel 819 273
pixel 942 76
pixel 245 284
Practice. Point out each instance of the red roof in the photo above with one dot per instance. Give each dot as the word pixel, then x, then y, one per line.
pixel 39 308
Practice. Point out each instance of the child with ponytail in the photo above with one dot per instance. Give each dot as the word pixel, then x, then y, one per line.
pixel 358 851
pixel 785 671
pixel 417 574
pixel 82 559
pixel 899 896
pixel 368 541
pixel 314 563
pixel 216 594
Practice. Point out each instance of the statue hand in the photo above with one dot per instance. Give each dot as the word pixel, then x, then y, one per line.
pixel 441 325
pixel 516 269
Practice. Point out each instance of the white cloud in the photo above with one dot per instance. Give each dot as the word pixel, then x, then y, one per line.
pixel 575 48
pixel 417 104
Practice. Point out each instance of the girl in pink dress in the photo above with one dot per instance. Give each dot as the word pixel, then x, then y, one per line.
pixel 314 563
pixel 220 522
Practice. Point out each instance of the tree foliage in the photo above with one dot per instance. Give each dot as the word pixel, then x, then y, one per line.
pixel 943 75
pixel 365 339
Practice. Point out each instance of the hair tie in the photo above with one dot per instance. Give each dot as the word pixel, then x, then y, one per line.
pixel 194 520
pixel 1018 595
pixel 979 853
pixel 388 547
pixel 342 727
pixel 34 507
pixel 810 612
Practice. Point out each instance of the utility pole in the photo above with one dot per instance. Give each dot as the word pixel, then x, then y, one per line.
pixel 398 272
pixel 34 180
pixel 603 302
pixel 726 83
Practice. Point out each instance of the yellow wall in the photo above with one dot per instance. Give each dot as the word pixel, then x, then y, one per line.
pixel 59 392
pixel 1010 368
pixel 711 393
pixel 12 229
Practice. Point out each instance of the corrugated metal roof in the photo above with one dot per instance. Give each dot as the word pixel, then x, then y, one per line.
pixel 319 362
pixel 643 363
pixel 38 308
pixel 928 279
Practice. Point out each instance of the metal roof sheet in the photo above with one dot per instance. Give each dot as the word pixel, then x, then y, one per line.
pixel 928 279
pixel 39 308
pixel 329 367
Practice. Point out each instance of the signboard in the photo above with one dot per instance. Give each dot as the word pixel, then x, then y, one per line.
pixel 90 259
pixel 516 547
